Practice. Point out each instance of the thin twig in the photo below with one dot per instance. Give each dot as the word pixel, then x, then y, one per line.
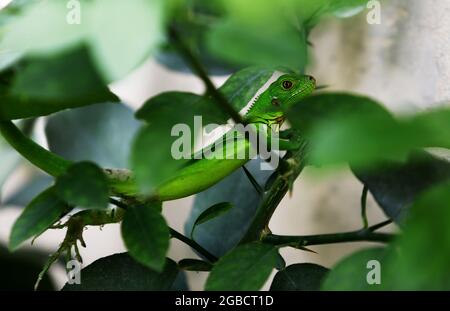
pixel 320 239
pixel 253 181
pixel 200 71
pixel 363 207
pixel 380 225
pixel 175 234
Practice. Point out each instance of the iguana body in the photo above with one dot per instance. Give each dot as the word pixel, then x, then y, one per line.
pixel 267 109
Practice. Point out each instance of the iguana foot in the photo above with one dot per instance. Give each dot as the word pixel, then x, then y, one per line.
pixel 75 227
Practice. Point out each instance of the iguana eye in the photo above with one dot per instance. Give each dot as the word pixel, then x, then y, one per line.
pixel 286 84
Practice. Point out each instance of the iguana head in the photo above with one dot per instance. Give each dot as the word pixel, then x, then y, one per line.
pixel 288 89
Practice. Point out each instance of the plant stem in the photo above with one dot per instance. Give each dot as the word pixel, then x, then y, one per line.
pixel 175 234
pixel 253 181
pixel 200 71
pixel 293 164
pixel 363 206
pixel 308 240
pixel 40 157
pixel 380 225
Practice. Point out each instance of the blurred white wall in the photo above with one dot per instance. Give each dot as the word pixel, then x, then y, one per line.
pixel 404 62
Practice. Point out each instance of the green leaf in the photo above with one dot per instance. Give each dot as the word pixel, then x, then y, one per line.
pixel 193 19
pixel 112 127
pixel 85 185
pixel 180 283
pixel 235 42
pixel 105 27
pixel 239 191
pixel 351 273
pixel 326 107
pixel 114 19
pixel 41 213
pixel 120 272
pixel 281 263
pixel 355 129
pixel 146 235
pixel 214 211
pixel 246 267
pixel 43 86
pixel 347 8
pixel 162 113
pixel 234 37
pixel 418 259
pixel 9 157
pixel 194 265
pixel 299 277
pixel 395 186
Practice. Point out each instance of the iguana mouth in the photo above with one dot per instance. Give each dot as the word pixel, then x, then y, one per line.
pixel 280 120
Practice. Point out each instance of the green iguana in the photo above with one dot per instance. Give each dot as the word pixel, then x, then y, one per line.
pixel 267 110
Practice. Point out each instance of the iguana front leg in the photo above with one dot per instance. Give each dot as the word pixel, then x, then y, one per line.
pixel 75 227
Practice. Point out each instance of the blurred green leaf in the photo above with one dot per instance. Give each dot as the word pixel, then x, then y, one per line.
pixel 326 107
pixel 281 263
pixel 346 8
pixel 8 58
pixel 193 19
pixel 355 129
pixel 9 159
pixel 234 36
pixel 137 23
pixel 146 235
pixel 246 267
pixel 351 273
pixel 41 213
pixel 299 277
pixel 395 186
pixel 152 158
pixel 239 191
pixel 120 272
pixel 100 133
pixel 84 185
pixel 180 283
pixel 43 86
pixel 235 41
pixel 418 259
pixel 212 212
pixel 105 27
pixel 194 265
